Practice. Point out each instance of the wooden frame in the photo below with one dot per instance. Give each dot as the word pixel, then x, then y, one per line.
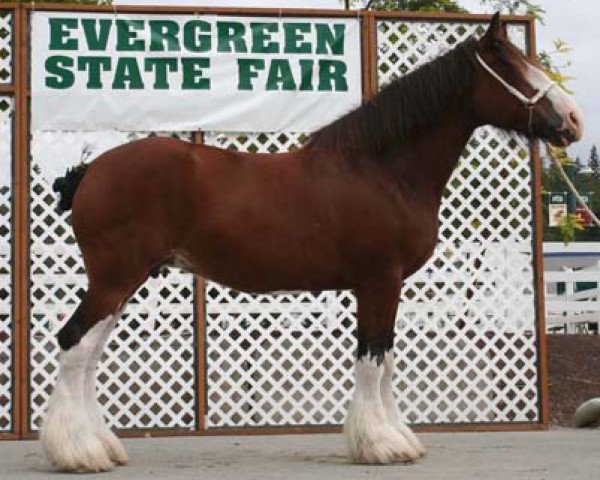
pixel 20 91
pixel 11 90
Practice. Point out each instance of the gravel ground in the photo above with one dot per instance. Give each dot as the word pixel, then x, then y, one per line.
pixel 574 374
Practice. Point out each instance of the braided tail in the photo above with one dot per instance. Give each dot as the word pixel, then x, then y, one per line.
pixel 67 186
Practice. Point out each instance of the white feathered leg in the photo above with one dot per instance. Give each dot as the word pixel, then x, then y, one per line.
pixel 391 407
pixel 68 434
pixel 112 444
pixel 369 435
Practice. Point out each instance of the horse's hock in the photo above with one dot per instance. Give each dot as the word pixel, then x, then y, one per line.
pixel 193 355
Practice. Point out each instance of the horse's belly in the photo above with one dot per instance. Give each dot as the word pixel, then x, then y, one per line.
pixel 257 268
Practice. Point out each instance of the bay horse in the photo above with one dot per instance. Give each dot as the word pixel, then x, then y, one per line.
pixel 355 208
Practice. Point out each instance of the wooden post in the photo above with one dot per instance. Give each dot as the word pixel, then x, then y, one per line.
pixel 21 221
pixel 538 259
pixel 10 90
pixel 200 336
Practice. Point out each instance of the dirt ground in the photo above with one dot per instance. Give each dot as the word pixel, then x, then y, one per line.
pixel 574 374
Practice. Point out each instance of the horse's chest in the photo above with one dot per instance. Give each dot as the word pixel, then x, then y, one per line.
pixel 417 237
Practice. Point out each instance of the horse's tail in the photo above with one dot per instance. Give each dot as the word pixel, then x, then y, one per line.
pixel 67 186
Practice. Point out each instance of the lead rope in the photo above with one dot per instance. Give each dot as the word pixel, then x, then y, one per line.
pixel 570 184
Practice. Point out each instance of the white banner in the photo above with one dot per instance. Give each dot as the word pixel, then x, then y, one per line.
pixel 148 72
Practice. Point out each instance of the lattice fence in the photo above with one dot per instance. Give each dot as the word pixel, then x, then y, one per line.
pixel 466 348
pixel 147 378
pixel 6 312
pixel 466 326
pixel 6 43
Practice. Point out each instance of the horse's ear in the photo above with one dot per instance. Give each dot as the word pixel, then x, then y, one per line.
pixel 497 29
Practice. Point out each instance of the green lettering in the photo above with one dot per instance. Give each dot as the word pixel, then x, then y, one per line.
pixel 59 65
pixel 329 41
pixel 306 74
pixel 127 75
pixel 247 70
pixel 94 66
pixel 332 72
pixel 127 40
pixel 161 68
pixel 96 39
pixel 192 74
pixel 230 37
pixel 59 34
pixel 280 76
pixel 195 38
pixel 261 39
pixel 163 34
pixel 293 34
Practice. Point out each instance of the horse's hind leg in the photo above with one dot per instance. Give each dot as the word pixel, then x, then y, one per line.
pixel 69 433
pixel 370 435
pixel 111 443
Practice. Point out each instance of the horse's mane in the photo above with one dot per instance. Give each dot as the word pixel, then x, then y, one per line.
pixel 381 125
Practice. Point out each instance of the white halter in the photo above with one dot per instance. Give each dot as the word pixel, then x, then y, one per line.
pixel 528 102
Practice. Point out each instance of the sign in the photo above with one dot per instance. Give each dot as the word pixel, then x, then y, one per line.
pixel 556 211
pixel 143 72
pixel 558 197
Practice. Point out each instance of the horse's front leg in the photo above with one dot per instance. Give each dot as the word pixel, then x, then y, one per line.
pixel 372 436
pixel 390 405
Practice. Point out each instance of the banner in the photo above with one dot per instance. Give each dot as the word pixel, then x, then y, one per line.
pixel 148 72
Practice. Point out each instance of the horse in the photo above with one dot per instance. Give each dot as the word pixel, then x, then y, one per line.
pixel 355 208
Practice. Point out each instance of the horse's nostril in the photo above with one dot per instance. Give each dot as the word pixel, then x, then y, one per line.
pixel 574 119
pixel 575 125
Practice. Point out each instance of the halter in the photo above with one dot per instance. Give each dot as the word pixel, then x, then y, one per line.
pixel 528 102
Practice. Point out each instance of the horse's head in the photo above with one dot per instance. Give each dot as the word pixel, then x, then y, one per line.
pixel 513 93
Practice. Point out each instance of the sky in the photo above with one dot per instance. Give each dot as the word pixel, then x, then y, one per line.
pixel 575 21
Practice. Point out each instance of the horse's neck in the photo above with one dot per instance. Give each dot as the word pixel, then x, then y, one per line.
pixel 429 158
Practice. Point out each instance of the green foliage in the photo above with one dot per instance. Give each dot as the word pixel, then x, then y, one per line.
pixel 77 2
pixel 568 225
pixel 553 182
pixel 548 61
pixel 417 5
pixel 513 7
pixel 594 162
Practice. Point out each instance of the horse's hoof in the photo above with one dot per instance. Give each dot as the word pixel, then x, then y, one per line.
pixel 113 446
pixel 89 456
pixel 411 438
pixel 379 444
pixel 70 442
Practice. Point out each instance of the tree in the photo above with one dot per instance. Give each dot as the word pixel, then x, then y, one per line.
pixel 594 162
pixel 517 7
pixel 89 2
pixel 416 5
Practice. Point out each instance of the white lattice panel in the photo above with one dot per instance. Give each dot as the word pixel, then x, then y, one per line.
pixel 6 324
pixel 256 142
pixel 277 360
pixel 147 378
pixel 466 339
pixel 6 39
pixel 404 45
pixel 466 346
